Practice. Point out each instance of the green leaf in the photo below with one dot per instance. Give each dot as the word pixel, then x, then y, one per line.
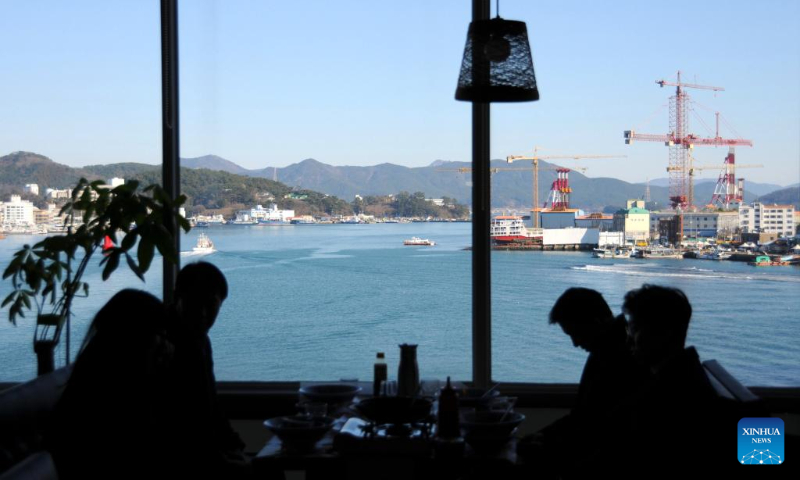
pixel 113 262
pixel 129 241
pixel 134 267
pixel 145 254
pixel 9 299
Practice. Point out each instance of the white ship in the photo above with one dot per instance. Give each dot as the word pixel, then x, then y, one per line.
pixel 416 241
pixel 204 245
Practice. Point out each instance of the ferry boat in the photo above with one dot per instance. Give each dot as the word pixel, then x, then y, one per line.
pixel 204 245
pixel 416 241
pixel 509 228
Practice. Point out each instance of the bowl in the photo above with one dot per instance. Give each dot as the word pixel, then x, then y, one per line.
pixel 299 433
pixel 394 410
pixel 489 430
pixel 331 393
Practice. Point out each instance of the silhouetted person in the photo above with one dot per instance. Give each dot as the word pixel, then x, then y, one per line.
pixel 610 375
pixel 207 443
pixel 107 423
pixel 677 409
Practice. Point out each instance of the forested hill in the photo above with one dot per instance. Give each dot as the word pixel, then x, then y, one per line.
pixel 785 196
pixel 205 189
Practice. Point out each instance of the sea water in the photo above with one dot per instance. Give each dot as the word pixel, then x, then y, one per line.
pixel 316 302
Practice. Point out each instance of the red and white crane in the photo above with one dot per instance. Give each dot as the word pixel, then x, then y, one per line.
pixel 680 141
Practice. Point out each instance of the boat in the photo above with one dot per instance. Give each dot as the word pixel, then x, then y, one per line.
pixel 601 253
pixel 510 229
pixel 767 261
pixel 416 241
pixel 204 245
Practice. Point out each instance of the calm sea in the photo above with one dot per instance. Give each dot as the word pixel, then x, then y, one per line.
pixel 317 302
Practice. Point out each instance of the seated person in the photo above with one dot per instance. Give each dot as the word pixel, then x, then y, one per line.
pixel 609 376
pixel 677 406
pixel 201 430
pixel 107 422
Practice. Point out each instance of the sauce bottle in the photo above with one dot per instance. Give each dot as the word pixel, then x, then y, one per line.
pixel 448 425
pixel 380 373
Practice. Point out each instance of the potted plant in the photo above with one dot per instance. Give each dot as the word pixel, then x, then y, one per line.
pixel 49 275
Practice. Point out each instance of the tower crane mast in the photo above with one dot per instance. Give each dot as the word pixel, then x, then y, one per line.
pixel 535 160
pixel 680 141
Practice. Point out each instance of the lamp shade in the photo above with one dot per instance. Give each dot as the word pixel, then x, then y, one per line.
pixel 497 64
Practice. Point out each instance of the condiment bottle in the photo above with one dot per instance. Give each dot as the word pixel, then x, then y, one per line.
pixel 408 371
pixel 381 373
pixel 448 425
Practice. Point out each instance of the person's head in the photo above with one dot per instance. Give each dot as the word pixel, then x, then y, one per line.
pixel 658 319
pixel 582 314
pixel 126 335
pixel 200 290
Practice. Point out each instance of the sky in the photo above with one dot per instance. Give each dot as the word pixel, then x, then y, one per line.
pixel 357 82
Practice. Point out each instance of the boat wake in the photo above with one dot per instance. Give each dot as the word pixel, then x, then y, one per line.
pixel 683 272
pixel 195 254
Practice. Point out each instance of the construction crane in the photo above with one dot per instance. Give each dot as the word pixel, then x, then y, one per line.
pixel 535 160
pixel 727 189
pixel 494 170
pixel 680 141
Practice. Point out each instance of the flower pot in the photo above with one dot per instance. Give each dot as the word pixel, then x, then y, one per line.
pixel 48 331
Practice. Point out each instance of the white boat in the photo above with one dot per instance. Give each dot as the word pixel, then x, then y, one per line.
pixel 510 229
pixel 601 253
pixel 204 245
pixel 416 241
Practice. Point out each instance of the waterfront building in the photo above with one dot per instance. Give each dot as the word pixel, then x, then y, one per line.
pixel 759 217
pixel 18 212
pixel 31 188
pixel 600 221
pixel 634 220
pixel 710 224
pixel 259 213
pixel 559 218
pixel 55 194
pixel 45 216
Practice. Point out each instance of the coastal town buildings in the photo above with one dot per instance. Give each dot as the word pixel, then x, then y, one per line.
pixel 31 188
pixel 17 212
pixel 634 221
pixel 600 221
pixel 759 217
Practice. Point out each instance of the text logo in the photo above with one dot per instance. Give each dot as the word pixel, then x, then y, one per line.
pixel 761 441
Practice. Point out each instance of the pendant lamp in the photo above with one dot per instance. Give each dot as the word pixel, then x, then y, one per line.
pixel 497 64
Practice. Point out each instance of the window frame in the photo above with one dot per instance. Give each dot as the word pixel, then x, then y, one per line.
pixel 531 394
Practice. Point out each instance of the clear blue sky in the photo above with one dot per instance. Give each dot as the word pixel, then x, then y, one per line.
pixel 270 83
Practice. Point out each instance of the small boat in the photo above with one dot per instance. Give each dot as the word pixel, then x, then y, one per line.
pixel 204 245
pixel 601 253
pixel 416 241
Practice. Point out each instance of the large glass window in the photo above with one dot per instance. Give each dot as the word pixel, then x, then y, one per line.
pixel 81 90
pixel 338 119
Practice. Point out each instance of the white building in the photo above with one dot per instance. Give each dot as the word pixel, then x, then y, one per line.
pixel 261 214
pixel 55 194
pixel 116 182
pixel 18 212
pixel 767 218
pixel 700 224
pixel 32 188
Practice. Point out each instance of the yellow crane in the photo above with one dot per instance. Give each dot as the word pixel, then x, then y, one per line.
pixel 535 160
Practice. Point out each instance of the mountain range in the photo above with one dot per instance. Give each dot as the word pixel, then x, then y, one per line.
pixel 510 189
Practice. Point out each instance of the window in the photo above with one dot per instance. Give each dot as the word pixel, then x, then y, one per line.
pixel 273 85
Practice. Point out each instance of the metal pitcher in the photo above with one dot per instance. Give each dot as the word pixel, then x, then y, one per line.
pixel 408 371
